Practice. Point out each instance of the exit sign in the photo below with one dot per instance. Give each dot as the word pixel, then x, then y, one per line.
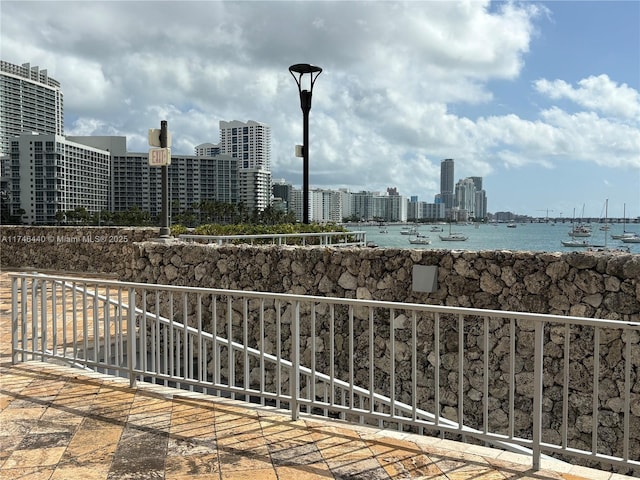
pixel 159 157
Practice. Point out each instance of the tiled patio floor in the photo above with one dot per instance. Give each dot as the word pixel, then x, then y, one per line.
pixel 62 423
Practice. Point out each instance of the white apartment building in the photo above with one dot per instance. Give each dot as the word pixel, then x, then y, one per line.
pixel 31 102
pixel 192 179
pixel 51 174
pixel 466 197
pixel 423 210
pixel 207 150
pixel 250 143
pixel 325 206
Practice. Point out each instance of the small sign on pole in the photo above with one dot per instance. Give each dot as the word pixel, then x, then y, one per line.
pixel 154 138
pixel 159 157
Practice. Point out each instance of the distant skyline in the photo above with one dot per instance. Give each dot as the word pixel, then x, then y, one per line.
pixel 540 99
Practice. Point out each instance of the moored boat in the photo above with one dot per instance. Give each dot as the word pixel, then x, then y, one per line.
pixel 453 237
pixel 409 230
pixel 420 240
pixel 633 238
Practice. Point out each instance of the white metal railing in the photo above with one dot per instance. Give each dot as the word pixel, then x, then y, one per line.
pixel 333 239
pixel 407 366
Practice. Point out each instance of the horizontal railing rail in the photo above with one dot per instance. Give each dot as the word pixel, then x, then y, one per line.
pixel 333 239
pixel 515 380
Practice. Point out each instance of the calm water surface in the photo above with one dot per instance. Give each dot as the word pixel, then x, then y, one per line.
pixel 537 237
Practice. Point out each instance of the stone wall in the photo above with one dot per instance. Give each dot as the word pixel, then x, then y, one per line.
pixel 69 249
pixel 595 285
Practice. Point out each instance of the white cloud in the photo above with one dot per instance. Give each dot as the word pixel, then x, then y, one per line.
pixel 385 109
pixel 596 93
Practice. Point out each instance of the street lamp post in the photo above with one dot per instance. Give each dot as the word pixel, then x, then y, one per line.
pixel 297 71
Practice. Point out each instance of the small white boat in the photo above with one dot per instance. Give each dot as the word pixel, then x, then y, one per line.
pixel 579 243
pixel 420 240
pixel 511 225
pixel 633 238
pixel 580 231
pixel 453 237
pixel 436 228
pixel 409 230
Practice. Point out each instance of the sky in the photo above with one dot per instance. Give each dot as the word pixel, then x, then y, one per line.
pixel 541 99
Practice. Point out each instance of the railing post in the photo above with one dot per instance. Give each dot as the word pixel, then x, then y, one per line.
pixel 14 320
pixel 537 393
pixel 131 337
pixel 294 378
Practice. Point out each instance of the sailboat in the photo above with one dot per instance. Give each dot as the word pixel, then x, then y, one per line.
pixel 453 237
pixel 576 231
pixel 625 234
pixel 604 248
pixel 579 229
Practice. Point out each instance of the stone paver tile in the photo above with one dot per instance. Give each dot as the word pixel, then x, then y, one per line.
pixel 157 421
pixel 294 453
pixel 345 451
pixel 5 400
pixel 76 398
pixel 597 476
pixel 34 458
pixel 182 476
pixel 243 441
pixel 414 467
pixel 230 426
pixel 27 412
pixel 92 472
pixel 8 443
pixel 456 468
pixel 511 469
pixel 362 469
pixel 92 446
pixel 56 422
pixel 199 425
pixel 312 471
pixel 402 459
pixel 262 474
pixel 32 473
pixel 15 427
pixel 232 459
pixel 33 441
pixel 197 464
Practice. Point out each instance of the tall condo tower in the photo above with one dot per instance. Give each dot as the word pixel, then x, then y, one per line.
pixel 32 102
pixel 250 143
pixel 446 183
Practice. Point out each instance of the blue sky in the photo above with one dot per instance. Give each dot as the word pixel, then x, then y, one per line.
pixel 539 98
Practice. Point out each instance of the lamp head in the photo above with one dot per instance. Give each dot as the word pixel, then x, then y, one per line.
pixel 303 68
pixel 300 69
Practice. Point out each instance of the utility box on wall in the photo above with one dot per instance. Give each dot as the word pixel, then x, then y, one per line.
pixel 425 278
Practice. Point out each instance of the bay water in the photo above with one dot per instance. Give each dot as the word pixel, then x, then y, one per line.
pixel 535 237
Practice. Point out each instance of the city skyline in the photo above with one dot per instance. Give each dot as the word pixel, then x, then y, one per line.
pixel 536 95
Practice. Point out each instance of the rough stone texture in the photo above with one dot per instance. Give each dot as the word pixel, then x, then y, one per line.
pixel 595 285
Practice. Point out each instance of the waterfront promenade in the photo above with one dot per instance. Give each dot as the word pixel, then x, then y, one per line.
pixel 62 423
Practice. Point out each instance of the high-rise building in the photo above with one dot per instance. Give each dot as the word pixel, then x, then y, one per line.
pixel 207 150
pixel 192 179
pixel 31 102
pixel 447 194
pixel 283 190
pixel 51 174
pixel 466 196
pixel 250 143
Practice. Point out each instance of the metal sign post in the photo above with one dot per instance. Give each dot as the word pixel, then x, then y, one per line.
pixel 161 157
